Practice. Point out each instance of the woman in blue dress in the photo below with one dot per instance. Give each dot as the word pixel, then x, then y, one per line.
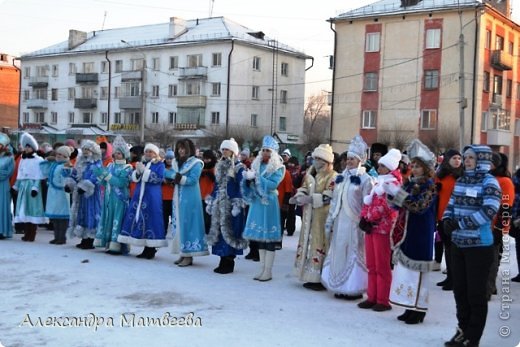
pixel 187 215
pixel 259 191
pixel 227 209
pixel 6 171
pixel 143 224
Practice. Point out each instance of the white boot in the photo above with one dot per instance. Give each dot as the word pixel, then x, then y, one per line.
pixel 261 253
pixel 269 260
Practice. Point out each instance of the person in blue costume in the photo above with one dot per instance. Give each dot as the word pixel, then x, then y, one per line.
pixel 6 171
pixel 187 215
pixel 259 191
pixel 29 205
pixel 57 207
pixel 143 224
pixel 227 209
pixel 115 179
pixel 82 182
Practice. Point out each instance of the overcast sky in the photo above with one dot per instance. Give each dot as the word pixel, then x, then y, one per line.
pixel 28 25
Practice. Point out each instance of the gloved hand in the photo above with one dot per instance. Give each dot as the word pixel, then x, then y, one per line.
pixel 178 178
pixel 34 193
pixel 80 191
pixel 292 200
pixel 366 226
pixel 303 200
pixel 139 168
pixel 67 189
pixel 209 208
pixel 450 225
pixel 250 175
pixel 391 188
pixel 235 211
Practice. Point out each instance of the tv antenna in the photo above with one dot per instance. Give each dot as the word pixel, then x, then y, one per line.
pixel 104 19
pixel 211 4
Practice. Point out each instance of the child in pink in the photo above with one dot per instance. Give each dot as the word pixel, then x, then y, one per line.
pixel 377 220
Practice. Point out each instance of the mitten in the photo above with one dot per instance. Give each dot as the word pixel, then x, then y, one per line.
pixel 178 178
pixel 80 191
pixel 34 193
pixel 235 211
pixel 450 225
pixel 67 189
pixel 365 225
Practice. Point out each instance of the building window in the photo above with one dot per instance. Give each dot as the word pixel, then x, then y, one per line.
pixel 372 42
pixel 87 118
pixel 133 118
pixel 215 118
pixel 284 69
pixel 54 94
pixel 117 117
pixel 39 117
pixel 215 89
pixel 192 88
pixel 104 93
pixel 431 79
pixel 26 95
pixel 55 70
pixel 72 68
pixel 174 62
pixel 369 120
pixel 156 64
pixel 511 48
pixel 71 117
pixel 155 91
pixel 194 60
pixel 104 117
pixel 54 117
pixel 26 118
pixel 216 59
pixel 497 85
pixel 256 63
pixel 172 116
pixel 40 93
pixel 27 72
pixel 104 67
pixel 88 67
pixel 172 90
pixel 255 92
pixel 496 120
pixel 283 124
pixel 509 88
pixel 42 71
pixel 428 119
pixel 137 64
pixel 283 96
pixel 155 117
pixel 254 118
pixel 88 92
pixel 486 81
pixel 71 93
pixel 117 92
pixel 518 91
pixel 119 66
pixel 433 38
pixel 131 89
pixel 487 43
pixel 371 80
pixel 499 43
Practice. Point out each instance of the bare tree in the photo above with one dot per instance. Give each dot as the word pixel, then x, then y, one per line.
pixel 162 134
pixel 444 139
pixel 398 135
pixel 316 125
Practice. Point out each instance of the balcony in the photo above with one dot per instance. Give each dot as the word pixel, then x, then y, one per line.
pixel 87 78
pixel 496 102
pixel 85 103
pixel 498 137
pixel 37 103
pixel 132 75
pixel 124 127
pixel 501 60
pixel 39 82
pixel 131 102
pixel 200 72
pixel 186 126
pixel 191 101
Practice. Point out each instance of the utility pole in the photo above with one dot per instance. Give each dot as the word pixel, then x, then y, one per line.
pixel 463 103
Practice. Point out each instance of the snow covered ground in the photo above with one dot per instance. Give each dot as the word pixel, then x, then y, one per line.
pixel 44 287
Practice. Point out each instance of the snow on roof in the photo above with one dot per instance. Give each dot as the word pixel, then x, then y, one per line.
pixel 387 7
pixel 197 30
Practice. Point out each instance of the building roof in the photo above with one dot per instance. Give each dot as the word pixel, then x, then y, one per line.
pixel 147 36
pixel 393 7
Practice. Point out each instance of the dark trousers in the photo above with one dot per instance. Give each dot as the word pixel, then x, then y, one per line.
pixel 207 218
pixel 470 270
pixel 288 219
pixel 446 240
pixel 60 229
pixel 167 213
pixel 439 250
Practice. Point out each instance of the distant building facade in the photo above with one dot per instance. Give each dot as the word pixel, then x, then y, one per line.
pixel 194 78
pixel 397 74
pixel 9 92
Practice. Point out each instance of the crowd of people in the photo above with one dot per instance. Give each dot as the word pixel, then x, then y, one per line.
pixel 371 228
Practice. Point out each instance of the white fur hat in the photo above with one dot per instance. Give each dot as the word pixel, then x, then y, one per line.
pixel 28 140
pixel 287 152
pixel 391 159
pixel 358 148
pixel 230 144
pixel 324 151
pixel 65 151
pixel 151 147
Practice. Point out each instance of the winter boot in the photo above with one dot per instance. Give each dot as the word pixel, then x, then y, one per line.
pixel 220 265
pixel 415 317
pixel 268 267
pixel 151 252
pixel 89 243
pixel 456 340
pixel 228 265
pixel 253 251
pixel 81 245
pixel 178 261
pixel 145 253
pixel 261 253
pixel 404 316
pixel 30 233
pixel 187 261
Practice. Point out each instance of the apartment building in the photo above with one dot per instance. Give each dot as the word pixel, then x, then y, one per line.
pixel 445 71
pixel 192 78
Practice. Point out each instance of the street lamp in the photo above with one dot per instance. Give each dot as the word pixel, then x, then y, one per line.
pixel 143 94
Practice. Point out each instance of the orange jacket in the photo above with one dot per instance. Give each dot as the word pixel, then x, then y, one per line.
pixel 285 187
pixel 506 204
pixel 444 193
pixel 207 182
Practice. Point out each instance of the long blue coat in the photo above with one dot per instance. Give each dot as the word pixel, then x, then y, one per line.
pixel 6 171
pixel 187 216
pixel 58 201
pixel 143 224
